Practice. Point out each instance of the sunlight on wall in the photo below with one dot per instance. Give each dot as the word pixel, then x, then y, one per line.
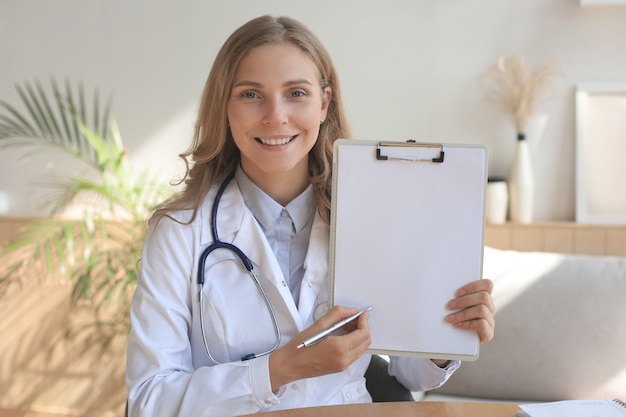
pixel 158 154
pixel 520 272
pixel 619 380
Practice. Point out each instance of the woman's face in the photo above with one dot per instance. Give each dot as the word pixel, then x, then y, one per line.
pixel 274 111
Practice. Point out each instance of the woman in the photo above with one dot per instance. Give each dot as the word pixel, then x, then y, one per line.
pixel 269 114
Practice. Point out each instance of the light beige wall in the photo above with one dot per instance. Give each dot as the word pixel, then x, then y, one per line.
pixel 409 70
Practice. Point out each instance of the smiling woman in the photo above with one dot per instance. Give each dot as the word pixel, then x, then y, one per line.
pixel 269 115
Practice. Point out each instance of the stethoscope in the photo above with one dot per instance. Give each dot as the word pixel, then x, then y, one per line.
pixel 218 244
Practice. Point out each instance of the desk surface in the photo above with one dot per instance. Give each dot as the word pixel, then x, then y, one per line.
pixel 403 409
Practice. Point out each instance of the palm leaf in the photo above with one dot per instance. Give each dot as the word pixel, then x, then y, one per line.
pixel 56 124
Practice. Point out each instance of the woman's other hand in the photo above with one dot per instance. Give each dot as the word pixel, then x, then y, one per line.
pixel 475 309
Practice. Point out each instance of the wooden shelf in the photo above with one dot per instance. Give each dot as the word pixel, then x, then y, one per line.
pixel 560 237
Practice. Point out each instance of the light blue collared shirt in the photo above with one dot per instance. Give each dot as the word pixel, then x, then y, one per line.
pixel 287 229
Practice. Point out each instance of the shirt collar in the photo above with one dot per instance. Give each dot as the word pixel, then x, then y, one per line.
pixel 266 210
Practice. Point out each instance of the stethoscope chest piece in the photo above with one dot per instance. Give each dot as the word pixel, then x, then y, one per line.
pixel 320 310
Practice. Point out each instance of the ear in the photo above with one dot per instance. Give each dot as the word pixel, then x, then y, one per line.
pixel 327 95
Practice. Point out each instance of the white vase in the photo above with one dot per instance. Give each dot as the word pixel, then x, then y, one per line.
pixel 521 184
pixel 534 130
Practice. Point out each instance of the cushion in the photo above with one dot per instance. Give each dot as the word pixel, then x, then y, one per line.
pixel 560 329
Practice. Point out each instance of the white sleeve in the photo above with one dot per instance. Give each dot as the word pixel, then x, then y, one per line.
pixel 161 377
pixel 419 374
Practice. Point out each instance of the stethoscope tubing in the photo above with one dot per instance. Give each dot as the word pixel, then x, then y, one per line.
pixel 247 263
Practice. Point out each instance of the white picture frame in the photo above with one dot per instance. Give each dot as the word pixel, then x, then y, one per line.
pixel 600 151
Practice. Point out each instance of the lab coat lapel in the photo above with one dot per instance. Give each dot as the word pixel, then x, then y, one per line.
pixel 314 289
pixel 251 239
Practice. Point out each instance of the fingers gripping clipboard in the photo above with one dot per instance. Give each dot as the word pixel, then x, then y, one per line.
pixel 407 230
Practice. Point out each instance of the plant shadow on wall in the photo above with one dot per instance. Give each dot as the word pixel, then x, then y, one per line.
pixel 97 252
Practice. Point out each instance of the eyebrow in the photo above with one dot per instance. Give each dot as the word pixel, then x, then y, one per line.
pixel 250 83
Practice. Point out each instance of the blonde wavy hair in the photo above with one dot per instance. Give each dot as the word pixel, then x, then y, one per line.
pixel 213 155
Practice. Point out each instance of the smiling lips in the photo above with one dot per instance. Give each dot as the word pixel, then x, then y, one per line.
pixel 276 141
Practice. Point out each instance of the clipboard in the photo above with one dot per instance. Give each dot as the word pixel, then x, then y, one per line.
pixel 407 230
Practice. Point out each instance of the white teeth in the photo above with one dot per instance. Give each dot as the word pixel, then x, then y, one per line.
pixel 276 141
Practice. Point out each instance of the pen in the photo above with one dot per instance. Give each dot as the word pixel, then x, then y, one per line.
pixel 314 339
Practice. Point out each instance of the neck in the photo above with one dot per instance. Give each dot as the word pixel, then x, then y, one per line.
pixel 282 187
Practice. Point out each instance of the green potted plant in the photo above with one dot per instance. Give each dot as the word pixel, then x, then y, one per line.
pixel 98 252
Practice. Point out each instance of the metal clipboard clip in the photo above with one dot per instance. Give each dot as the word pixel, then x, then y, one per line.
pixel 411 144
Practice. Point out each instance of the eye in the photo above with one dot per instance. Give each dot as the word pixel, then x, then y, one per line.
pixel 249 94
pixel 298 93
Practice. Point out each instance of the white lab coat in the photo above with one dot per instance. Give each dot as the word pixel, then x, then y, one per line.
pixel 168 371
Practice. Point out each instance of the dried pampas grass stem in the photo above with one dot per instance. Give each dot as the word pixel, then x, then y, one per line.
pixel 515 88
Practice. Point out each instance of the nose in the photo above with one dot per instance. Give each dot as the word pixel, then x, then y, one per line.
pixel 275 112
